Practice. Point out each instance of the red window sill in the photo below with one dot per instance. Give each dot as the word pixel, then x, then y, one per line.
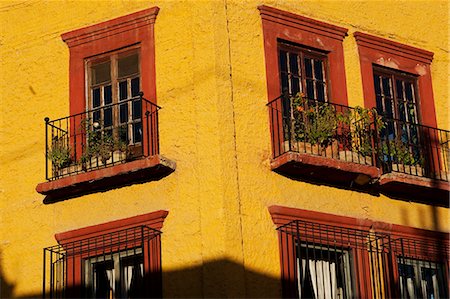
pixel 324 169
pixel 417 187
pixel 146 169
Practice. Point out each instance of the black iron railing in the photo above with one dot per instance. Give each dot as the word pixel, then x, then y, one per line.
pixel 325 261
pixel 323 129
pixel 414 149
pixel 422 268
pixel 121 264
pixel 101 137
pixel 358 135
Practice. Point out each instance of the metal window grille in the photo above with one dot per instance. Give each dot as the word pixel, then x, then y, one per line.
pixel 120 264
pixel 324 261
pixel 422 268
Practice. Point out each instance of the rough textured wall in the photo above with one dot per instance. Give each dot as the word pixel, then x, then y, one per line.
pixel 214 124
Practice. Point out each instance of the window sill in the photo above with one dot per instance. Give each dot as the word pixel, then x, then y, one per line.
pixel 323 169
pixel 415 187
pixel 147 169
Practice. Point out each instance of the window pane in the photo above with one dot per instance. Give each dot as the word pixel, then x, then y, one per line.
pixel 376 82
pixel 135 87
pixel 108 94
pixel 320 87
pixel 137 132
pixel 308 67
pixel 293 64
pixel 295 85
pixel 123 114
pixel 137 109
pixel 123 90
pixel 399 87
pixel 108 117
pixel 96 117
pixel 310 89
pixel 128 65
pixel 318 69
pixel 96 98
pixel 123 133
pixel 283 61
pixel 409 91
pixel 386 86
pixel 101 73
pixel 284 83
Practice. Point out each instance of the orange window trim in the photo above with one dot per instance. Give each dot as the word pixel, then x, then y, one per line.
pixel 133 29
pixel 281 25
pixel 374 50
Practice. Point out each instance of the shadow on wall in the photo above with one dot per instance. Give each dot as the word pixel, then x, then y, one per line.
pixel 6 288
pixel 215 279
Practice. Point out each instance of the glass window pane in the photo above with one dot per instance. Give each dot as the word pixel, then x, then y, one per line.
pixel 108 121
pixel 386 86
pixel 284 83
pixel 123 134
pixel 128 65
pixel 96 116
pixel 283 61
pixel 137 132
pixel 399 87
pixel 409 91
pixel 376 82
pixel 293 64
pixel 101 73
pixel 123 90
pixel 310 89
pixel 96 98
pixel 123 114
pixel 135 89
pixel 295 85
pixel 108 94
pixel 318 69
pixel 308 67
pixel 136 113
pixel 320 87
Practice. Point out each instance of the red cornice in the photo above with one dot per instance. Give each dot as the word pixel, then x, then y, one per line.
pixel 154 220
pixel 293 20
pixel 111 27
pixel 391 47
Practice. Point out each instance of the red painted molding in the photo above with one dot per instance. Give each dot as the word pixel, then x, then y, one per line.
pixel 278 24
pixel 379 51
pixel 414 180
pixel 293 20
pixel 282 215
pixel 112 27
pixel 133 29
pixel 154 164
pixel 154 220
pixel 395 48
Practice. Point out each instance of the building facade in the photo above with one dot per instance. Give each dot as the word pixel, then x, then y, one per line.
pixel 224 149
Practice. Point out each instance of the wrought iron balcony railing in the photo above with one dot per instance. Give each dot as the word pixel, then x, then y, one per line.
pixel 323 129
pixel 414 149
pixel 358 135
pixel 101 137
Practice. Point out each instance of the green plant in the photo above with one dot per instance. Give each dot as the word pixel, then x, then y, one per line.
pixel 364 123
pixel 60 154
pixel 397 151
pixel 313 122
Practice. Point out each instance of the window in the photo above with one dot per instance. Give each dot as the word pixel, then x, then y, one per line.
pixel 118 259
pixel 303 70
pixel 114 87
pixel 421 268
pixel 328 261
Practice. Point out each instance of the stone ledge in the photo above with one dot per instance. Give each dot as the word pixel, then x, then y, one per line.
pixel 146 169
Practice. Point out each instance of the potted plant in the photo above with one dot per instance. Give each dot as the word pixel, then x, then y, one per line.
pixel 60 155
pixel 401 158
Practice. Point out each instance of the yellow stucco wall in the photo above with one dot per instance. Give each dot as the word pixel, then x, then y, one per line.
pixel 215 126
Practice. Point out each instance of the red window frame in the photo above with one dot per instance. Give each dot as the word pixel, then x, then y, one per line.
pixel 152 266
pixel 374 50
pixel 133 30
pixel 285 26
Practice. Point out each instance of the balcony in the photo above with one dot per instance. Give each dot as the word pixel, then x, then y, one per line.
pixel 414 160
pixel 103 148
pixel 355 147
pixel 323 142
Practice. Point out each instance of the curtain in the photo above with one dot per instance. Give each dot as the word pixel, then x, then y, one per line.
pixel 322 275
